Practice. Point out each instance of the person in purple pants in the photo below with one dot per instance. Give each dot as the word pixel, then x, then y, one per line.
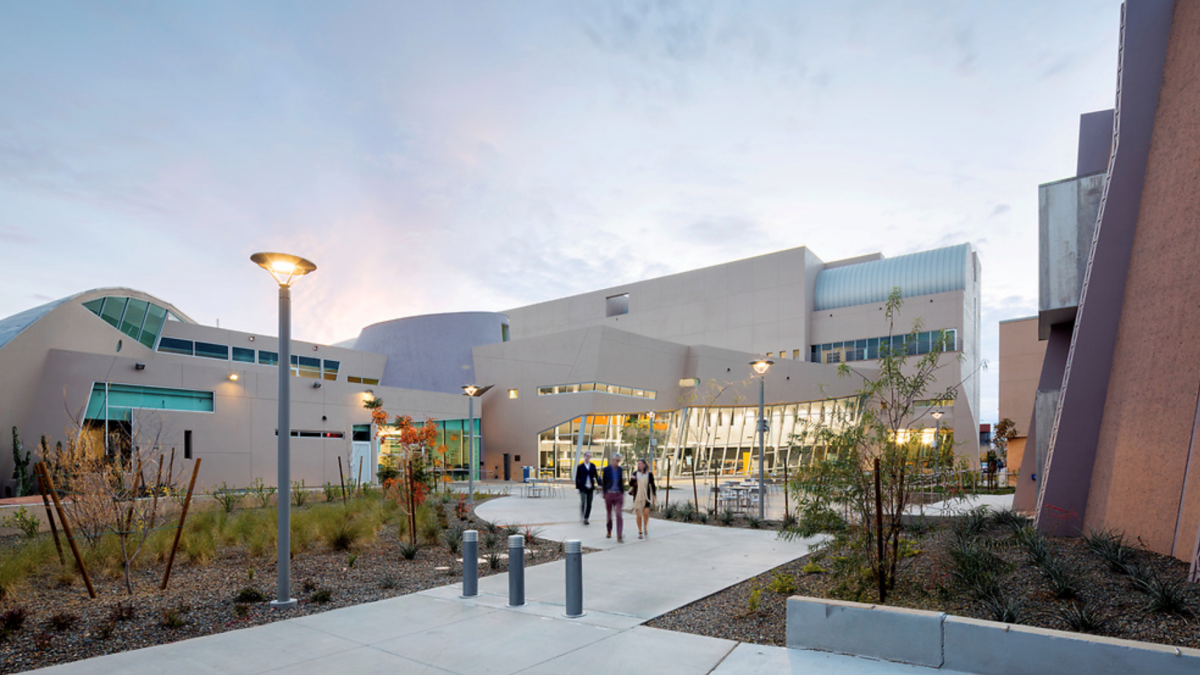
pixel 613 484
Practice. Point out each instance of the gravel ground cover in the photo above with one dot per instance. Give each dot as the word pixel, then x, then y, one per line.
pixel 755 611
pixel 62 624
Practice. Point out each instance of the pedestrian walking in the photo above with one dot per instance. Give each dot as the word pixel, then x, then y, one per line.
pixel 643 491
pixel 613 483
pixel 587 479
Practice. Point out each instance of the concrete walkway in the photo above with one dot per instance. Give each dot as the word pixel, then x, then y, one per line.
pixel 436 631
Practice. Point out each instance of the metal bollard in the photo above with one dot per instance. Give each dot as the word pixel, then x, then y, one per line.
pixel 516 570
pixel 574 578
pixel 470 551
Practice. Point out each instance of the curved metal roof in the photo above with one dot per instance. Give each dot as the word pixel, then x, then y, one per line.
pixel 936 271
pixel 12 326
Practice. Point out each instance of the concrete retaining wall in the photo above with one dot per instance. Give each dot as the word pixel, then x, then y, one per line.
pixel 891 633
pixel 971 645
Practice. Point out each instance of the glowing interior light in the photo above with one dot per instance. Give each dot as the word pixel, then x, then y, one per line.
pixel 283 266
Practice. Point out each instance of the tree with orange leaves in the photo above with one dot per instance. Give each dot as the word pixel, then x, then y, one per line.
pixel 409 483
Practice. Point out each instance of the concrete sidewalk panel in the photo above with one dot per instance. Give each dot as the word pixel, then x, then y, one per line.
pixel 389 619
pixel 495 643
pixel 991 648
pixel 641 650
pixel 893 633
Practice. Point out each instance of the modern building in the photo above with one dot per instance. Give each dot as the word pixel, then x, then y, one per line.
pixel 1116 407
pixel 679 346
pixel 120 364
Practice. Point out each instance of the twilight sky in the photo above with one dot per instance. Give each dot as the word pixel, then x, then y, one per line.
pixel 447 156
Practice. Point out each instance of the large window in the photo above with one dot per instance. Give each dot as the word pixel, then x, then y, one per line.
pixel 139 319
pixel 616 305
pixel 585 387
pixel 870 349
pixel 116 401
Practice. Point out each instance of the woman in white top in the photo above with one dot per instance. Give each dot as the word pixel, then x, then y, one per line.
pixel 643 490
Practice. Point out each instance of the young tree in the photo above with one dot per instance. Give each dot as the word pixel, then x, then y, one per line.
pixel 870 451
pixel 409 479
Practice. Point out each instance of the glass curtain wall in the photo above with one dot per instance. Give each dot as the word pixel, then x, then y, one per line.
pixel 701 440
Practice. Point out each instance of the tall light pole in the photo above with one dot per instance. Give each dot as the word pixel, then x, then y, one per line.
pixel 937 442
pixel 760 366
pixel 650 441
pixel 285 269
pixel 472 392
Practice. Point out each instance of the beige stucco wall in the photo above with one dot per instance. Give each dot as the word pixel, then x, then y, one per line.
pixel 755 305
pixel 1146 478
pixel 49 369
pixel 1021 356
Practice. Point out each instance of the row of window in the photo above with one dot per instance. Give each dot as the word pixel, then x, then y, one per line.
pixel 873 348
pixel 138 319
pixel 595 386
pixel 302 366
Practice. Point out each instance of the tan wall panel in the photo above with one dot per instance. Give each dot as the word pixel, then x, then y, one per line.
pixel 1149 415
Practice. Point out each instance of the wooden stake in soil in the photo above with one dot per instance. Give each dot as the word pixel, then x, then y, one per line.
pixel 187 501
pixel 785 491
pixel 37 471
pixel 667 497
pixel 879 535
pixel 342 478
pixel 62 517
pixel 360 463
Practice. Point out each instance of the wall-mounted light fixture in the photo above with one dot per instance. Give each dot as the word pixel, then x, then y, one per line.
pixel 252 338
pixel 139 366
pixel 233 377
pixel 316 385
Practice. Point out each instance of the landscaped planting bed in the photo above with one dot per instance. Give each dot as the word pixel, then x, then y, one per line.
pixel 991 568
pixel 224 575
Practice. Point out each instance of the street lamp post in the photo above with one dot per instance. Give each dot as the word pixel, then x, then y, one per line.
pixel 760 366
pixel 937 443
pixel 472 392
pixel 285 269
pixel 650 441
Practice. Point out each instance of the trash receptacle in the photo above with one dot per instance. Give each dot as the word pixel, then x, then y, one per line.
pixel 525 471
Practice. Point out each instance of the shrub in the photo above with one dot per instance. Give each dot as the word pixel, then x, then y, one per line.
pixel 308 586
pixel 687 512
pixel 299 494
pixel 726 517
pixel 1004 608
pixel 754 521
pixel 783 584
pixel 1111 547
pixel 1010 519
pixel 351 559
pixel 1080 617
pixel 24 521
pixel 43 641
pixel 15 567
pixel 1165 595
pixel 975 568
pixel 409 551
pixel 493 560
pixel 261 493
pixel 971 524
pixel 789 521
pixel 670 511
pixel 531 534
pixel 321 596
pixel 105 629
pixel 755 600
pixel 12 620
pixel 1035 545
pixel 343 531
pixel 702 517
pixel 812 568
pixel 248 594
pixel 62 622
pixel 172 617
pixel 388 582
pixel 452 537
pixel 331 491
pixel 122 612
pixel 1063 584
pixel 241 610
pixel 226 496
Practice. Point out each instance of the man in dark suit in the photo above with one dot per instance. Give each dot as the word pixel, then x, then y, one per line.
pixel 614 495
pixel 587 479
